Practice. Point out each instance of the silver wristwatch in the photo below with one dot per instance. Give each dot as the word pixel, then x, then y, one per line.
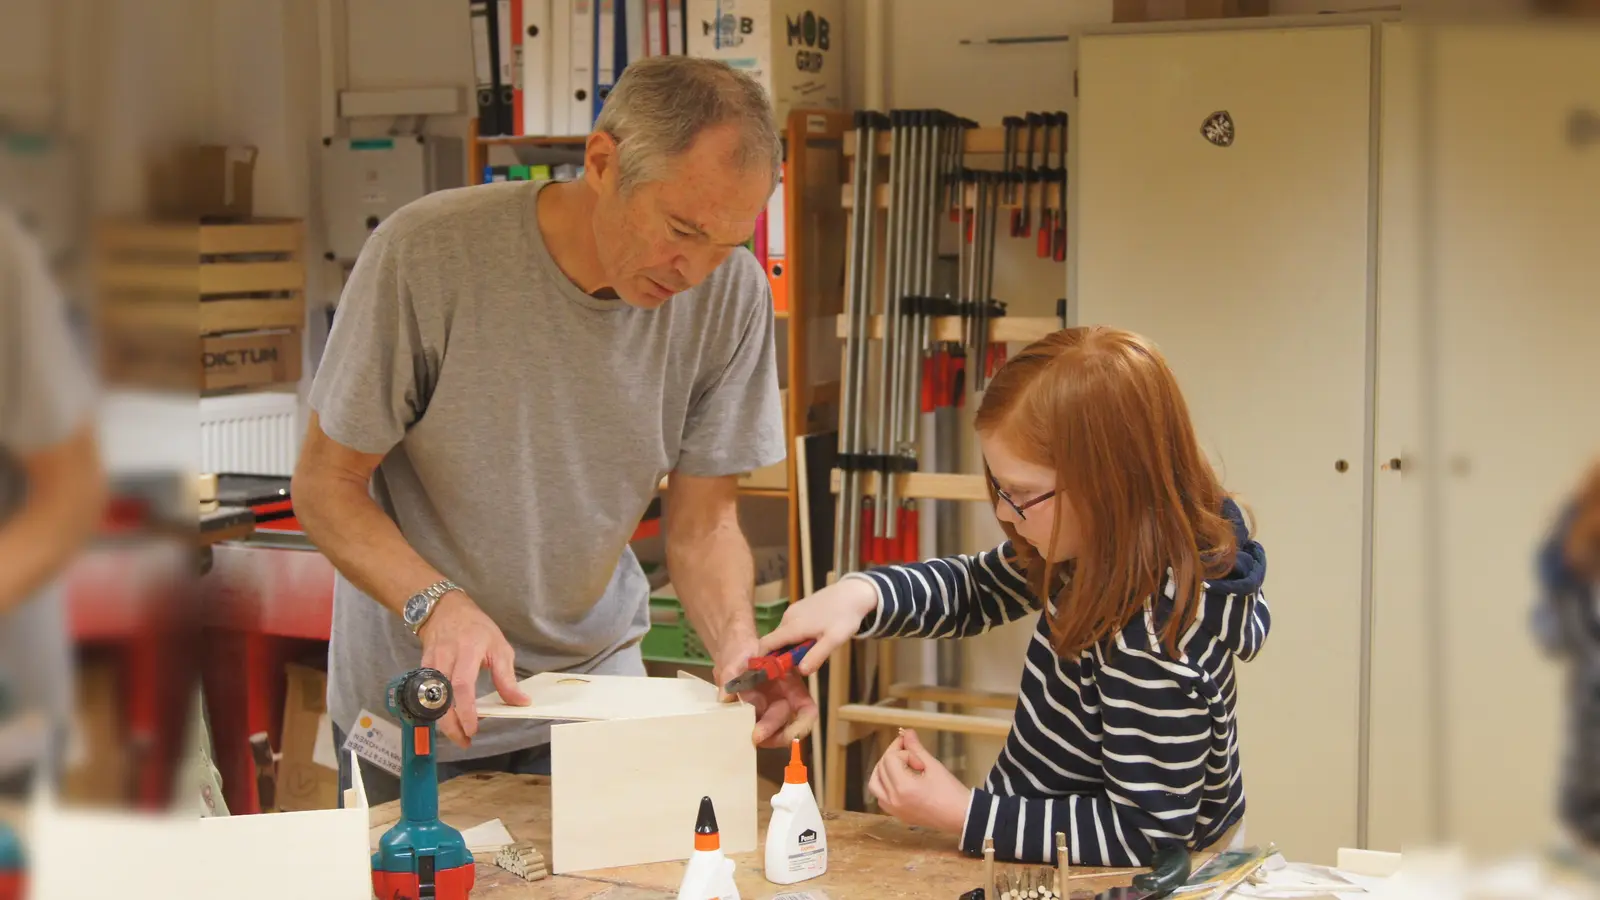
pixel 420 605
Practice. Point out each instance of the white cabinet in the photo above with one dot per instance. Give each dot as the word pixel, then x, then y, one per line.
pixel 1514 270
pixel 1396 260
pixel 1247 264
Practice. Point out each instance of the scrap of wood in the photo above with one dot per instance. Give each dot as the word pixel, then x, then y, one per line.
pixel 522 860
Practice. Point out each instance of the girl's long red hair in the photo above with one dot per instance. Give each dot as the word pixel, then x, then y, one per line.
pixel 1582 546
pixel 1100 407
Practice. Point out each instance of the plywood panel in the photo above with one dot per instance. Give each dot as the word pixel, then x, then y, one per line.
pixel 1248 266
pixel 1516 267
pixel 627 792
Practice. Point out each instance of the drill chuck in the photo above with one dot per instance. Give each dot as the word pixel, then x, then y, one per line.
pixel 423 695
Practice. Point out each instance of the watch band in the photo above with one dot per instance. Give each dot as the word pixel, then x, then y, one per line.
pixel 430 595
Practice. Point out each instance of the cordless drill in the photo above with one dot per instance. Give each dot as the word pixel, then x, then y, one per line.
pixel 420 858
pixel 13 864
pixel 13 877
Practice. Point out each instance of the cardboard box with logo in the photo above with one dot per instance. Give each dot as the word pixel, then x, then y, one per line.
pixel 250 359
pixel 793 47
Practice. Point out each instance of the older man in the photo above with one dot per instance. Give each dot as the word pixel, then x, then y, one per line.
pixel 512 370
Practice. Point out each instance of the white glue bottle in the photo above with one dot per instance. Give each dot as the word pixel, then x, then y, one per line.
pixel 797 846
pixel 710 873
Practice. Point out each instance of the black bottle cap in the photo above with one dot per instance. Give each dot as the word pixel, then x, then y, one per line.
pixel 706 822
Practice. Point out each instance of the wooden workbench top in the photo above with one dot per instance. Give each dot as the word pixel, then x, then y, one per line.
pixel 869 856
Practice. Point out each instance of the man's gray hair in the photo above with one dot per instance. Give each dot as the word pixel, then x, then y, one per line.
pixel 662 103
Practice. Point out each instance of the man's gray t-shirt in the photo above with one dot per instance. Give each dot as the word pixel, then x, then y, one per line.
pixel 46 395
pixel 526 426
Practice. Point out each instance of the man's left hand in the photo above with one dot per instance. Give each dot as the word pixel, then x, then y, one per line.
pixel 911 784
pixel 785 710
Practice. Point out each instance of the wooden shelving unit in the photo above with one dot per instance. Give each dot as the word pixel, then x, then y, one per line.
pixel 478 147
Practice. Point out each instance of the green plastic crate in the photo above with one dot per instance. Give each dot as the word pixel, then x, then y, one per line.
pixel 671 639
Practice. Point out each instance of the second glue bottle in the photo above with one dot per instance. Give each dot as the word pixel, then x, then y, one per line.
pixel 797 845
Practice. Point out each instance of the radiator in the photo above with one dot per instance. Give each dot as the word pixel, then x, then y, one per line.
pixel 250 434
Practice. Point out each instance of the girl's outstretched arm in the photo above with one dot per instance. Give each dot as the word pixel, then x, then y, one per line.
pixel 957 596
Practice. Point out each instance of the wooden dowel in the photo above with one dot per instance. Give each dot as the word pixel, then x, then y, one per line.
pixel 1002 329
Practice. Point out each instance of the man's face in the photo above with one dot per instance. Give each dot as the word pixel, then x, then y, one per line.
pixel 667 236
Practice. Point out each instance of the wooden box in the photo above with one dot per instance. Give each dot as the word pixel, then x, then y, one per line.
pixel 1168 10
pixel 212 306
pixel 630 759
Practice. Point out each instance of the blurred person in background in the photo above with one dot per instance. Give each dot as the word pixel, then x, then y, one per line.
pixel 1567 622
pixel 52 493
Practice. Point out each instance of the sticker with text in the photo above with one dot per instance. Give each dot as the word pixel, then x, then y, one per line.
pixel 375 740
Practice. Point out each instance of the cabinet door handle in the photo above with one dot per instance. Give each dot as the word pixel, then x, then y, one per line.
pixel 1393 464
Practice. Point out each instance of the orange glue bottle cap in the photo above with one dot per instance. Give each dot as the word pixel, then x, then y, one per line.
pixel 795 771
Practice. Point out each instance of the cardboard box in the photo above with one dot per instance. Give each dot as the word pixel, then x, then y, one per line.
pixel 305 782
pixel 98 770
pixel 1169 10
pixel 207 181
pixel 793 47
pixel 251 359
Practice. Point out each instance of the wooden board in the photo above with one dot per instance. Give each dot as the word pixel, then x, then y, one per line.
pixel 1002 329
pixel 926 485
pixel 562 696
pixel 1045 195
pixel 990 140
pixel 249 315
pixel 251 277
pixel 868 856
pixel 622 785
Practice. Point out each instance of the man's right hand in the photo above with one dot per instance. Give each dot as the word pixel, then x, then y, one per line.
pixel 458 639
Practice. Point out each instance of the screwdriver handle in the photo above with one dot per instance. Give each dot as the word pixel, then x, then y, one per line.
pixel 781 663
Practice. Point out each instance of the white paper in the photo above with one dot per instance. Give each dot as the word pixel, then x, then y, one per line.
pixel 1303 880
pixel 487 837
pixel 323 753
pixel 376 740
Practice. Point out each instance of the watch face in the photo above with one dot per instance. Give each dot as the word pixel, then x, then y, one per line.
pixel 416 608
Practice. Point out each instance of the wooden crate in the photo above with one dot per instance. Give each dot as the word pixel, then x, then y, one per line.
pixel 210 307
pixel 246 276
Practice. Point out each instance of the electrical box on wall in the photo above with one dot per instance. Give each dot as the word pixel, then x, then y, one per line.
pixel 40 186
pixel 364 180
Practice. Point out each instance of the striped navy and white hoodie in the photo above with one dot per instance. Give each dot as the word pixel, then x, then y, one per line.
pixel 1121 748
pixel 1567 623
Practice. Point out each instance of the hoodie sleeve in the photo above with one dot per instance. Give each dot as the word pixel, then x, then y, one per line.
pixel 1559 590
pixel 1157 734
pixel 957 596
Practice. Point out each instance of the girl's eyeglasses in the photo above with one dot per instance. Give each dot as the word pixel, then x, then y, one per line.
pixel 1015 506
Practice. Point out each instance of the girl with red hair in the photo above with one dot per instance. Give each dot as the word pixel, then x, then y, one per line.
pixel 1148 583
